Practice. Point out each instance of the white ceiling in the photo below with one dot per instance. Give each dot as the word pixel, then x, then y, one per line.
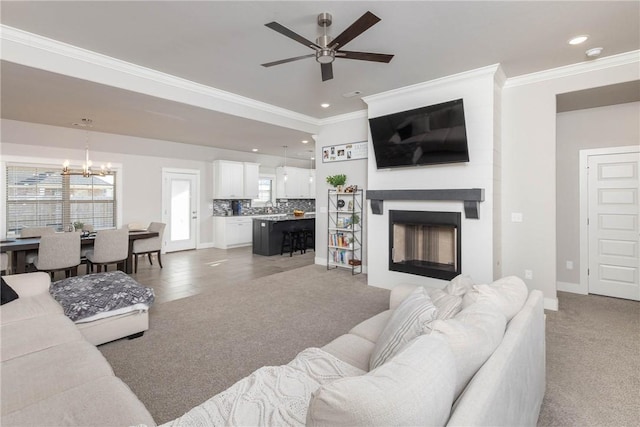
pixel 221 44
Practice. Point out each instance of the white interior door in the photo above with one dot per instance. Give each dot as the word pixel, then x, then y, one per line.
pixel 180 210
pixel 613 225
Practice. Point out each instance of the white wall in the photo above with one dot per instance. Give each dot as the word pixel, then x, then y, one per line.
pixel 612 126
pixel 478 90
pixel 142 161
pixel 529 163
pixel 340 130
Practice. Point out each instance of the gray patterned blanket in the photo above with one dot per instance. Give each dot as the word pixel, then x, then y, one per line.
pixel 95 296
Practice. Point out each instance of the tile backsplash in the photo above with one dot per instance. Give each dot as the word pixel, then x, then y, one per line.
pixel 222 207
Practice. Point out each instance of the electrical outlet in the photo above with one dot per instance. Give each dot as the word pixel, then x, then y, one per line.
pixel 516 217
pixel 528 274
pixel 569 265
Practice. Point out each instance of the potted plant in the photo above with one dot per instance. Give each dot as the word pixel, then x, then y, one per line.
pixel 78 225
pixel 337 181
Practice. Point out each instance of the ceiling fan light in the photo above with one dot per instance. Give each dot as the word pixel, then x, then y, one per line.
pixel 325 56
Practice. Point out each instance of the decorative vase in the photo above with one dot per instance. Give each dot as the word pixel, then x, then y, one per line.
pixel 339 188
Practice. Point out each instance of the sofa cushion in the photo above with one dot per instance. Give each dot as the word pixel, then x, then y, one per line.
pixel 411 319
pixel 29 307
pixel 459 285
pixel 473 335
pixel 109 397
pixel 371 328
pixel 7 294
pixel 352 349
pixel 413 388
pixel 36 334
pixel 447 305
pixel 36 376
pixel 508 294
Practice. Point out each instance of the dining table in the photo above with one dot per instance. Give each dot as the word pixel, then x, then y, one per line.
pixel 19 247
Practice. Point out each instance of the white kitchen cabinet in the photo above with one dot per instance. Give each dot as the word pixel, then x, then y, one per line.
pixel 232 231
pixel 296 186
pixel 235 180
pixel 251 179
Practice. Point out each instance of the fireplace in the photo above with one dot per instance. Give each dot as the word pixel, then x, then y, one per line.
pixel 425 243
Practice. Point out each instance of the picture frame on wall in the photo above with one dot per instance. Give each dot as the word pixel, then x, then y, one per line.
pixel 344 152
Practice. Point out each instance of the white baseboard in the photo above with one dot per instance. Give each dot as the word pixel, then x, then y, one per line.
pixel 574 288
pixel 206 245
pixel 551 304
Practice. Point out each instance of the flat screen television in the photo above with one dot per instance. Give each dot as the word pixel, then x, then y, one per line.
pixel 424 136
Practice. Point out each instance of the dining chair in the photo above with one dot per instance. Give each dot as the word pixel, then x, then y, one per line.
pixel 5 263
pixel 148 246
pixel 109 247
pixel 33 232
pixel 59 252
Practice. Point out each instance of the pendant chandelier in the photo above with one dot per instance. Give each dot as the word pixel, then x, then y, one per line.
pixel 86 166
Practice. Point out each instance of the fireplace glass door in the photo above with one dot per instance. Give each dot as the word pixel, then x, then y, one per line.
pixel 425 243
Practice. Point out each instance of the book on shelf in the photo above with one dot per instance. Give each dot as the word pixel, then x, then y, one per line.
pixel 340 256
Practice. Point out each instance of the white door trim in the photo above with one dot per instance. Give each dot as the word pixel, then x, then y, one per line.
pixel 583 287
pixel 165 206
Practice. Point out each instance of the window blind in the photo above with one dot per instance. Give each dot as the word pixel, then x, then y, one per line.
pixel 40 196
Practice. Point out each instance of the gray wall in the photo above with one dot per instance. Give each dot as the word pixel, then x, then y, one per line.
pixel 612 126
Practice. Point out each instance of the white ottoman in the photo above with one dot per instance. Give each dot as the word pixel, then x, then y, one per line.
pixel 105 306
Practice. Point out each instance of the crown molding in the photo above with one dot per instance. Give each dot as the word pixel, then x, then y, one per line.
pixel 478 72
pixel 26 41
pixel 575 69
pixel 361 114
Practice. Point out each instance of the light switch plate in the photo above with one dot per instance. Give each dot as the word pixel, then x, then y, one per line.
pixel 516 217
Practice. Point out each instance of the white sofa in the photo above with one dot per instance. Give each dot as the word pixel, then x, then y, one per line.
pixel 51 374
pixel 484 366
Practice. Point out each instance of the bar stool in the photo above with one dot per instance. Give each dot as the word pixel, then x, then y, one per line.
pixel 292 240
pixel 308 239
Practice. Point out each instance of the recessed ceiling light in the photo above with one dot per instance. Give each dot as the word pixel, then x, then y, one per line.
pixel 593 52
pixel 325 105
pixel 304 141
pixel 254 149
pixel 578 39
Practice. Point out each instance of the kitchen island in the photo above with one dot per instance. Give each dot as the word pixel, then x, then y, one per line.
pixel 268 231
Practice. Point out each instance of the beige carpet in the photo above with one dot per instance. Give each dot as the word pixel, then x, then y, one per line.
pixel 200 345
pixel 593 362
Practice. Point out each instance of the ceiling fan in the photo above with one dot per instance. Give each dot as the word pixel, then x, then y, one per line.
pixel 327 49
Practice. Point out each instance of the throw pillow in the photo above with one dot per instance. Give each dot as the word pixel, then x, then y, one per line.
pixel 414 388
pixel 507 294
pixel 459 285
pixel 447 305
pixel 7 293
pixel 412 318
pixel 473 336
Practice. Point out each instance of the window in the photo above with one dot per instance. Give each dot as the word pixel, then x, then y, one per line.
pixel 265 190
pixel 40 196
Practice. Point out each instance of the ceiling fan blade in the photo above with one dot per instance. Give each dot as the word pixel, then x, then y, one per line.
pixel 364 56
pixel 327 71
pixel 361 25
pixel 284 61
pixel 287 32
